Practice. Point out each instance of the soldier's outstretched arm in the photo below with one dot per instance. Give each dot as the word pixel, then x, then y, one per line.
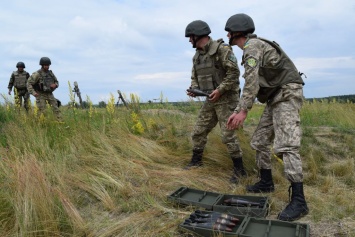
pixel 11 83
pixel 30 82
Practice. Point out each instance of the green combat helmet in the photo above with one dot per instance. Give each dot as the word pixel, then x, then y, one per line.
pixel 240 23
pixel 198 28
pixel 44 61
pixel 20 64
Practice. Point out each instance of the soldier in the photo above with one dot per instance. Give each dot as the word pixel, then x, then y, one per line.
pixel 41 84
pixel 215 71
pixel 270 76
pixel 18 80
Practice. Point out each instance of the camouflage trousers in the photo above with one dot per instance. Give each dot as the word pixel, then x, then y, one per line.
pixel 22 95
pixel 210 114
pixel 280 124
pixel 42 100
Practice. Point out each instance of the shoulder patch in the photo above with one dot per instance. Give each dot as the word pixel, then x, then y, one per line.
pixel 35 74
pixel 232 58
pixel 252 62
pixel 226 46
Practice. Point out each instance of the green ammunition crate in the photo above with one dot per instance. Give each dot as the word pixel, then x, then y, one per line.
pixel 253 211
pixel 214 202
pixel 273 228
pixel 187 196
pixel 209 232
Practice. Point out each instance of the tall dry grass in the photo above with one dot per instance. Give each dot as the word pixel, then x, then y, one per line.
pixel 107 172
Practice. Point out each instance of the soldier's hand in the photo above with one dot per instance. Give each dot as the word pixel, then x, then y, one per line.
pixel 53 86
pixel 236 120
pixel 35 94
pixel 190 94
pixel 215 95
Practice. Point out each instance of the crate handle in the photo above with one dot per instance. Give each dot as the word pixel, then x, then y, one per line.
pixel 203 195
pixel 267 232
pixel 297 231
pixel 181 191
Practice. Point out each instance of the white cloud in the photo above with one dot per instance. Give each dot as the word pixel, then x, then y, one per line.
pixel 139 46
pixel 162 77
pixel 309 64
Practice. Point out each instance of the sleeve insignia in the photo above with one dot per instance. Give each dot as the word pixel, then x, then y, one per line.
pixel 252 62
pixel 232 58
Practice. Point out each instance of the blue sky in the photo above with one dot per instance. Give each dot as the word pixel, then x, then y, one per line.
pixel 139 46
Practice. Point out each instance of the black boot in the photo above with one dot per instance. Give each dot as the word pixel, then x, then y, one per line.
pixel 196 159
pixel 238 170
pixel 264 185
pixel 297 207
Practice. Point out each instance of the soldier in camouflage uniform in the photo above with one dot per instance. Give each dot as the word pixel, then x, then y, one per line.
pixel 18 80
pixel 215 71
pixel 41 84
pixel 272 78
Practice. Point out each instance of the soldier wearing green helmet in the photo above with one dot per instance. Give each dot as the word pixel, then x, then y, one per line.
pixel 18 80
pixel 272 78
pixel 215 71
pixel 45 61
pixel 197 30
pixel 41 85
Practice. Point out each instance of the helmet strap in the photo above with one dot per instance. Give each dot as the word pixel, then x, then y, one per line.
pixel 195 39
pixel 235 35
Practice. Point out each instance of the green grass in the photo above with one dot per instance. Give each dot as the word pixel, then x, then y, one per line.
pixel 108 172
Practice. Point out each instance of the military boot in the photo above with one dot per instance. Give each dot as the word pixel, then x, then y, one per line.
pixel 297 207
pixel 264 185
pixel 238 170
pixel 196 159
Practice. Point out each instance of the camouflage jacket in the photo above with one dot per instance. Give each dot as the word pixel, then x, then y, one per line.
pixel 267 68
pixel 215 67
pixel 40 81
pixel 18 80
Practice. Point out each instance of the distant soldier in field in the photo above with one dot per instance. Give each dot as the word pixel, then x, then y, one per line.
pixel 215 71
pixel 271 76
pixel 18 80
pixel 41 84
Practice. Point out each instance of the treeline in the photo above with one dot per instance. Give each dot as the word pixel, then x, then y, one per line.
pixel 338 98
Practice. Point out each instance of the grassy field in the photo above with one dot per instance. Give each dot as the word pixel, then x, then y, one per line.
pixel 107 172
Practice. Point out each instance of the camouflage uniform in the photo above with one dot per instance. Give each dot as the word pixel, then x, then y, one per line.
pixel 271 77
pixel 18 80
pixel 39 82
pixel 215 67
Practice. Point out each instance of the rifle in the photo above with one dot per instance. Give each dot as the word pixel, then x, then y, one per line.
pixel 121 97
pixel 78 93
pixel 59 103
pixel 197 92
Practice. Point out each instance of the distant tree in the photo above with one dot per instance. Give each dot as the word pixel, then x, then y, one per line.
pixel 73 104
pixel 339 98
pixel 85 104
pixel 102 104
